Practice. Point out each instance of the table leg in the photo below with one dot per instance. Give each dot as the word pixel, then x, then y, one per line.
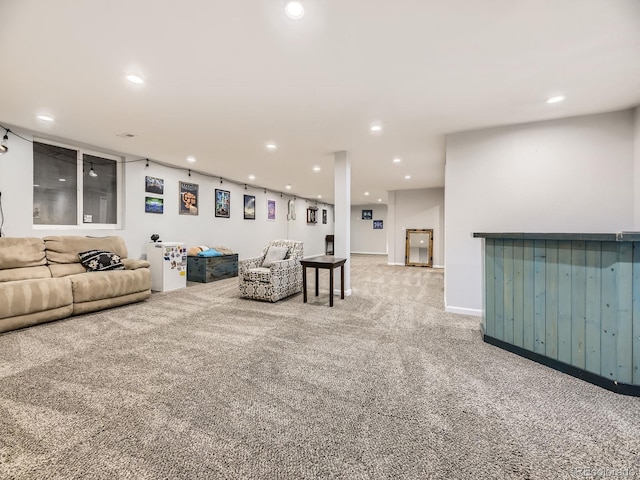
pixel 317 281
pixel 304 284
pixel 331 287
pixel 342 282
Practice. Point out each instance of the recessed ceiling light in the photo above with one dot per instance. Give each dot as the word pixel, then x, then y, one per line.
pixel 135 79
pixel 191 159
pixel 294 10
pixel 376 128
pixel 556 99
pixel 271 146
pixel 319 196
pixel 288 187
pixel 407 177
pixel 316 168
pixel 366 194
pixel 45 118
pixel 252 177
pixel 62 179
pixel 379 199
pixel 397 160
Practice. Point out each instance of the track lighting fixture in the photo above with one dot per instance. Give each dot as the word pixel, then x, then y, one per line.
pixel 220 180
pixel 3 146
pixel 147 165
pixel 245 186
pixel 189 172
pixel 92 172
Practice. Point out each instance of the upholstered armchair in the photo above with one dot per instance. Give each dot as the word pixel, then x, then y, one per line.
pixel 275 274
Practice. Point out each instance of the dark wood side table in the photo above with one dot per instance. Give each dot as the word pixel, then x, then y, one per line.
pixel 325 261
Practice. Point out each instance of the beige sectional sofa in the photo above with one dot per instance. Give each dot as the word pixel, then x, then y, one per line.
pixel 43 280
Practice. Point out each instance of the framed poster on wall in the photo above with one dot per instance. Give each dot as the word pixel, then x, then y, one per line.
pixel 154 185
pixel 271 210
pixel 153 205
pixel 188 198
pixel 249 207
pixel 223 203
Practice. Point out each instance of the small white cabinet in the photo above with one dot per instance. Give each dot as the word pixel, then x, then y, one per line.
pixel 168 265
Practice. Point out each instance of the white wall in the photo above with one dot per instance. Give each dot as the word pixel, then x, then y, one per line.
pixel 418 208
pixel 636 175
pixel 568 175
pixel 311 233
pixel 364 239
pixel 246 237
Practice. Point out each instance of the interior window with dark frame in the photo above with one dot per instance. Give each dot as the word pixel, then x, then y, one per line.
pixel 60 173
pixel 54 185
pixel 99 190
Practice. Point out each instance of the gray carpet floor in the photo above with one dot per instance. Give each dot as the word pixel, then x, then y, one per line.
pixel 200 383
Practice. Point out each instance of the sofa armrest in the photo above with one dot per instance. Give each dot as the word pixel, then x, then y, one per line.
pixel 132 264
pixel 282 264
pixel 248 263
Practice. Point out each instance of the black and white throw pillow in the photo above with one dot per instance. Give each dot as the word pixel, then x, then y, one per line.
pixel 99 260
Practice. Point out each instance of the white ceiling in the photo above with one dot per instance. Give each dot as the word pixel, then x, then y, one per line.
pixel 223 78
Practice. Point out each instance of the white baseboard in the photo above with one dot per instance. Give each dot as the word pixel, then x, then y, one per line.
pixel 371 253
pixel 464 311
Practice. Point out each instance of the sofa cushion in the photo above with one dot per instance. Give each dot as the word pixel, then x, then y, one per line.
pixel 30 296
pixel 132 264
pixel 91 286
pixel 21 252
pixel 65 249
pixel 65 269
pixel 25 273
pixel 274 254
pixel 99 261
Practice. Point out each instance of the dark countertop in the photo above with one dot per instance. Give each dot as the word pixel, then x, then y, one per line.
pixel 593 237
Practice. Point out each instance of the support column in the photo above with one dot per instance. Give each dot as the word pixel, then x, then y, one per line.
pixel 342 212
pixel 391 228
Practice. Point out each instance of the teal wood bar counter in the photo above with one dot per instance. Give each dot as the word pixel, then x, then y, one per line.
pixel 568 300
